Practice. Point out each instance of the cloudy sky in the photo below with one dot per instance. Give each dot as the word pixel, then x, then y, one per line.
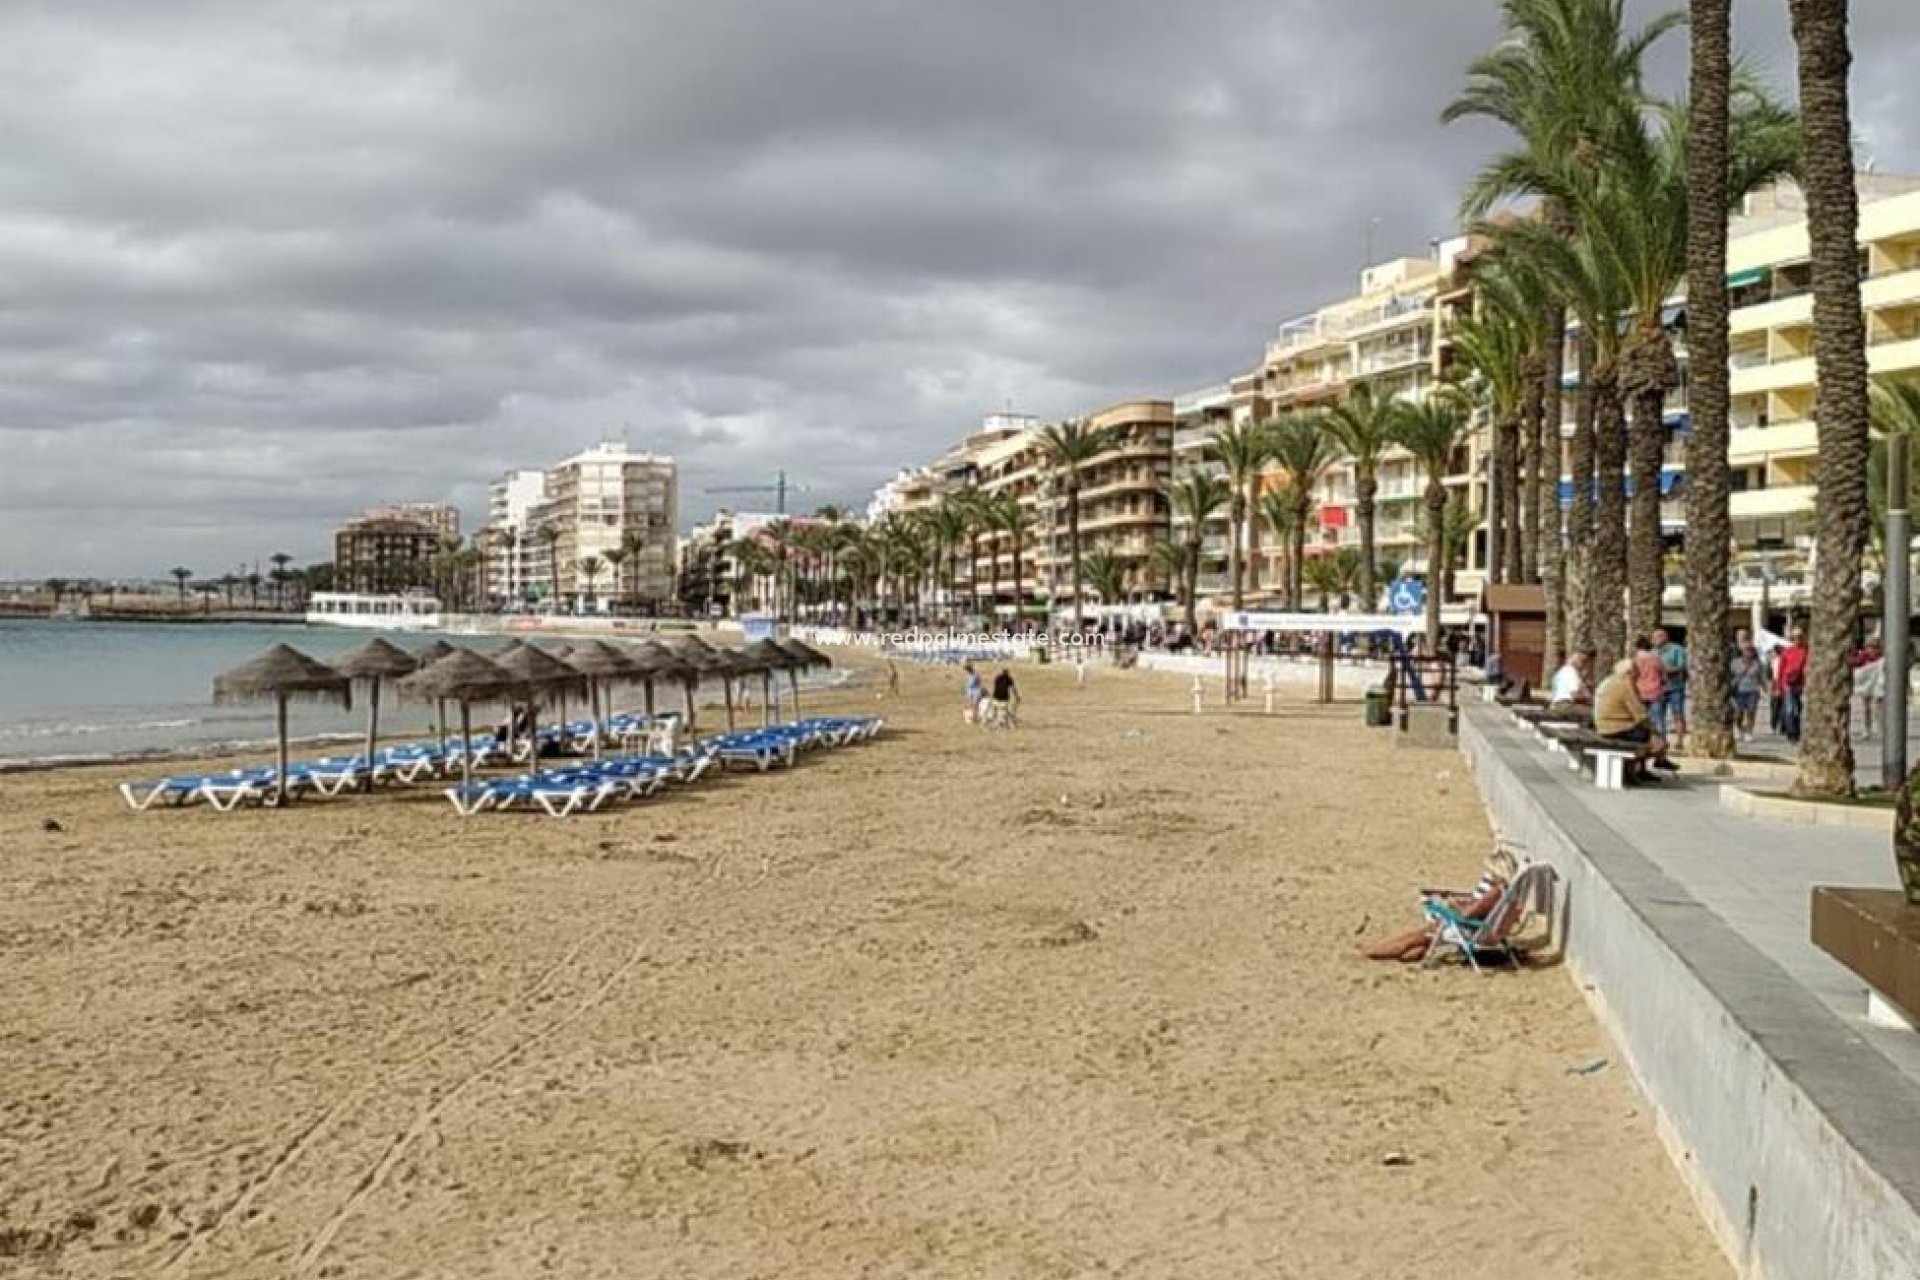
pixel 264 262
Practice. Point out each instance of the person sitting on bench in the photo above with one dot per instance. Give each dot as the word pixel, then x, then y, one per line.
pixel 1619 716
pixel 1570 691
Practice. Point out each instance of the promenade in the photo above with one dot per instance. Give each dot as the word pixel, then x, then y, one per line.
pixel 1796 1122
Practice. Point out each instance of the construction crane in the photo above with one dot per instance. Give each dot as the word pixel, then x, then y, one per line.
pixel 779 489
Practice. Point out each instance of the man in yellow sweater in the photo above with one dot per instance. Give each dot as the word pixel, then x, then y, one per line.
pixel 1618 714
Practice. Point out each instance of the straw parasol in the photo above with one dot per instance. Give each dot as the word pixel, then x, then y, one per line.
pixel 705 662
pixel 804 655
pixel 652 659
pixel 282 674
pixel 466 678
pixel 771 658
pixel 375 661
pixel 541 673
pixel 433 653
pixel 600 663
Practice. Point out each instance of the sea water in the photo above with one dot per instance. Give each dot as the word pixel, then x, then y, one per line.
pixel 73 691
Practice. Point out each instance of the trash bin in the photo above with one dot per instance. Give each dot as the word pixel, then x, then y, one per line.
pixel 1378 716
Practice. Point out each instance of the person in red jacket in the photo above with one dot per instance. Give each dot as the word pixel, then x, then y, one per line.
pixel 1790 680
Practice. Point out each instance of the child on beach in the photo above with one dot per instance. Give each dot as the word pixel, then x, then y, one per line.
pixel 973 693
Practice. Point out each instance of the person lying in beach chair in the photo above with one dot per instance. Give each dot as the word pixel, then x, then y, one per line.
pixel 1414 945
pixel 1489 934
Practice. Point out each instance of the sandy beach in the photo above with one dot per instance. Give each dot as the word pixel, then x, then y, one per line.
pixel 1077 1000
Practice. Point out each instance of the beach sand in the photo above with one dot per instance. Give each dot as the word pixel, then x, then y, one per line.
pixel 1076 1000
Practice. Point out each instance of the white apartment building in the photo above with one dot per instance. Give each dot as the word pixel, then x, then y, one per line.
pixel 603 505
pixel 514 569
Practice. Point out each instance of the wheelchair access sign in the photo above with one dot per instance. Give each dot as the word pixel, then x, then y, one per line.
pixel 1407 595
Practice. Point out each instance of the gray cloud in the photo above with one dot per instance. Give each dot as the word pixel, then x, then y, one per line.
pixel 262 263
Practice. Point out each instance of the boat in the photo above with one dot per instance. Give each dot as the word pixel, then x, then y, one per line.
pixel 411 611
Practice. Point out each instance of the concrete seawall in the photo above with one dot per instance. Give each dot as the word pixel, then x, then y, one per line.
pixel 1789 1130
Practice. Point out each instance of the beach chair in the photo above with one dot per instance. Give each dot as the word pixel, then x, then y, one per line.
pixel 175 790
pixel 1489 935
pixel 228 791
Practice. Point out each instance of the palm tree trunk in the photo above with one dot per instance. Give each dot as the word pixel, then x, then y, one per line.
pixel 1548 559
pixel 1503 553
pixel 1607 554
pixel 1436 556
pixel 1236 529
pixel 1647 370
pixel 1366 488
pixel 1297 554
pixel 1533 452
pixel 1251 505
pixel 1580 465
pixel 1191 587
pixel 1709 524
pixel 1073 546
pixel 1019 582
pixel 1840 403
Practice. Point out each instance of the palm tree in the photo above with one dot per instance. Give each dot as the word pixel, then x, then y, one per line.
pixel 1281 518
pixel 1709 478
pixel 180 574
pixel 1362 425
pixel 1013 518
pixel 508 538
pixel 616 559
pixel 1562 80
pixel 1636 215
pixel 1303 451
pixel 57 588
pixel 1327 576
pixel 1840 403
pixel 550 539
pixel 1243 448
pixel 1495 345
pixel 1169 560
pixel 1458 520
pixel 1431 431
pixel 1068 447
pixel 280 560
pixel 633 545
pixel 590 567
pixel 1196 498
pixel 1895 411
pixel 1106 574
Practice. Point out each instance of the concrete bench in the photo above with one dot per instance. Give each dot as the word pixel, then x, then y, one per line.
pixel 1613 762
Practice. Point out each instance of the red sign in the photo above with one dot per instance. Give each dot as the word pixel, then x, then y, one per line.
pixel 1333 517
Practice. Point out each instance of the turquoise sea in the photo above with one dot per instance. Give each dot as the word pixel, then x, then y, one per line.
pixel 77 691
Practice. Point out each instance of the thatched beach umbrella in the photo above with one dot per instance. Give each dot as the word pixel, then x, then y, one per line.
pixel 602 665
pixel 433 653
pixel 543 675
pixel 466 678
pixel 656 661
pixel 772 658
pixel 805 656
pixel 374 661
pixel 282 674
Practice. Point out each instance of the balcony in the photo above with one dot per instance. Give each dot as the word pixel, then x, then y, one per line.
pixel 1900 355
pixel 1754 379
pixel 1892 289
pixel 1760 504
pixel 1751 443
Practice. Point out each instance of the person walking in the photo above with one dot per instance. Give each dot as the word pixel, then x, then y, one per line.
pixel 1870 686
pixel 973 692
pixel 1790 682
pixel 1673 665
pixel 1006 700
pixel 1650 683
pixel 1750 683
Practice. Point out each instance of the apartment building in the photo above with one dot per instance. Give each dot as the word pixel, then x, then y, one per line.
pixel 1198 416
pixel 516 568
pixel 1123 503
pixel 393 547
pixel 1774 439
pixel 601 501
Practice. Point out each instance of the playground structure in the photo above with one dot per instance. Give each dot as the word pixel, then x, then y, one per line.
pixel 1413 678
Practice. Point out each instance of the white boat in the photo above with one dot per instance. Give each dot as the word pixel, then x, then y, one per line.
pixel 391 612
